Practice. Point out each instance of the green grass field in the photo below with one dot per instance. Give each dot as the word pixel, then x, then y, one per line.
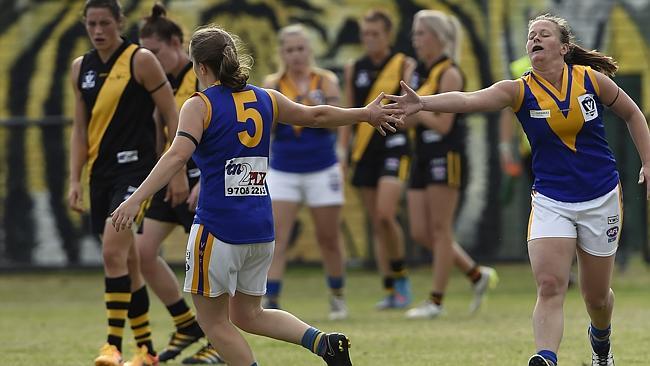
pixel 58 319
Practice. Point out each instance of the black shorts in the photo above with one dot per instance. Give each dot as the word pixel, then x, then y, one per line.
pixel 160 210
pixel 107 194
pixel 391 159
pixel 442 168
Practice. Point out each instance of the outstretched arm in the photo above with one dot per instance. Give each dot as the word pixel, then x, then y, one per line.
pixel 330 116
pixel 621 104
pixel 494 98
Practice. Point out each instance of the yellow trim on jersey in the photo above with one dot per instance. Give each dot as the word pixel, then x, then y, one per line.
pixel 520 99
pixel 403 172
pixel 208 105
pixel 430 86
pixel 195 270
pixel 387 80
pixel 592 77
pixel 565 128
pixel 207 253
pixel 559 94
pixel 288 88
pixel 107 101
pixel 274 103
pixel 186 89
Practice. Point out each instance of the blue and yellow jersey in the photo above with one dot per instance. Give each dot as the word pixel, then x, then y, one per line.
pixel 572 161
pixel 303 150
pixel 233 155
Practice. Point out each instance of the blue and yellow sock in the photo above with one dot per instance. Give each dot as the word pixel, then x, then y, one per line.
pixel 600 339
pixel 336 285
pixel 549 355
pixel 315 341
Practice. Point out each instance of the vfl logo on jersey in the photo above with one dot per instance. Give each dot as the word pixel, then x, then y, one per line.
pixel 588 107
pixel 363 79
pixel 246 176
pixel 88 80
pixel 540 113
pixel 612 233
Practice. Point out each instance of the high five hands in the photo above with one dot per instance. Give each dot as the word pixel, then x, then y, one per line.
pixel 388 116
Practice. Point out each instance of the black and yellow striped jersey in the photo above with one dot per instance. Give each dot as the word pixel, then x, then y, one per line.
pixel 368 80
pixel 121 129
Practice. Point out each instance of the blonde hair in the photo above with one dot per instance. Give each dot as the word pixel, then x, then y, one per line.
pixel 296 29
pixel 223 53
pixel 445 27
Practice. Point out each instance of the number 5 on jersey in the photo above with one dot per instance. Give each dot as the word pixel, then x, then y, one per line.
pixel 244 114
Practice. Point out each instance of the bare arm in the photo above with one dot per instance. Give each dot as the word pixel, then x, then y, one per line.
pixel 493 98
pixel 442 123
pixel 626 109
pixel 324 116
pixel 150 74
pixel 193 112
pixel 78 142
pixel 345 132
pixel 332 91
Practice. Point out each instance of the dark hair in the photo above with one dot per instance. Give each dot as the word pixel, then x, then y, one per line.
pixel 577 55
pixel 157 24
pixel 223 53
pixel 112 5
pixel 378 15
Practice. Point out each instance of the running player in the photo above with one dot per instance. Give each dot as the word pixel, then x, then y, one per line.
pixel 439 169
pixel 380 162
pixel 164 38
pixel 227 129
pixel 576 197
pixel 117 85
pixel 304 168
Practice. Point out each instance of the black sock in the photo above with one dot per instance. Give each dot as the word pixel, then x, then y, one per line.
pixel 184 319
pixel 139 319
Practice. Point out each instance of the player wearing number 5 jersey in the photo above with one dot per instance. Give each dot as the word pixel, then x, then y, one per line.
pixel 227 129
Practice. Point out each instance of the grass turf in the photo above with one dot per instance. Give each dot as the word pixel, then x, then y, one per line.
pixel 58 319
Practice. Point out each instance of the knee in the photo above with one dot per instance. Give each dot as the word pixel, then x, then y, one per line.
pixel 549 285
pixel 245 319
pixel 598 302
pixel 114 257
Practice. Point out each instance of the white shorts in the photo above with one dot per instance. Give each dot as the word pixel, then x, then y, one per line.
pixel 321 188
pixel 213 267
pixel 596 224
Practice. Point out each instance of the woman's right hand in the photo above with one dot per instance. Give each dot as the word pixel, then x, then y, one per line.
pixel 407 103
pixel 75 197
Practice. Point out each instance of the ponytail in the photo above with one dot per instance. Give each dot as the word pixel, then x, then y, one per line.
pixel 223 53
pixel 578 55
pixel 157 24
pixel 594 59
pixel 231 74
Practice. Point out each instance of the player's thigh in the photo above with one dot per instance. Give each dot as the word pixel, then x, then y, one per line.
pixel 418 215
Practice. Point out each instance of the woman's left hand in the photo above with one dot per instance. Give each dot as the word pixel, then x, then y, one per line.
pixel 644 176
pixel 122 218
